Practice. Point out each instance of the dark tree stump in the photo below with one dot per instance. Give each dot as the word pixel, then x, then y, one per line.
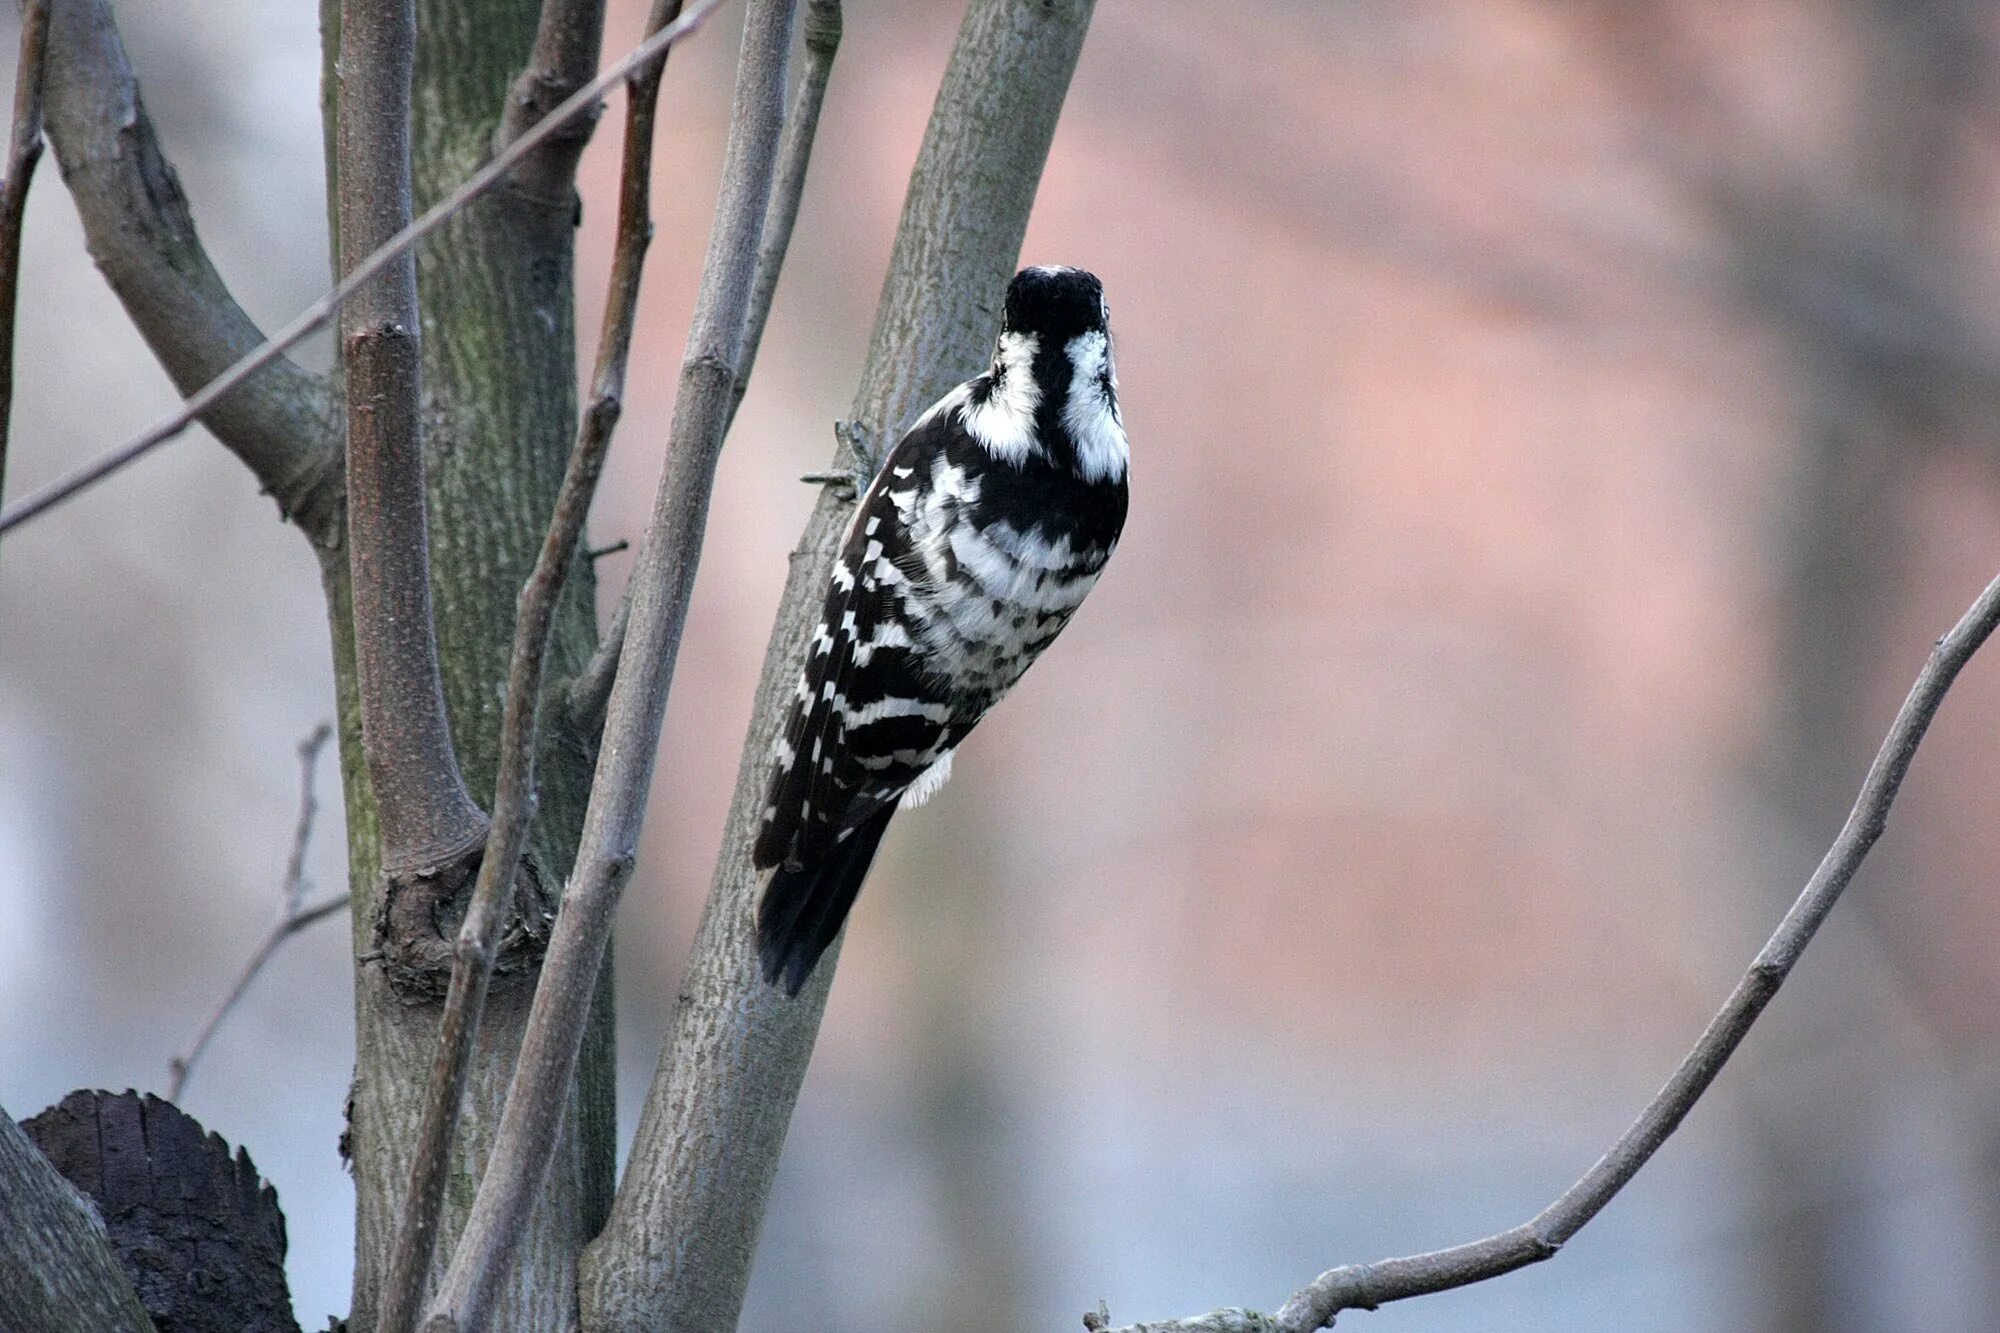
pixel 200 1236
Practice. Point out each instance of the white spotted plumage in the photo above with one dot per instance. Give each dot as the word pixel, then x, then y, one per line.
pixel 986 527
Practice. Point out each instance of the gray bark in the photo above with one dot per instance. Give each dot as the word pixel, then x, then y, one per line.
pixel 678 1248
pixel 428 822
pixel 664 579
pixel 57 1270
pixel 499 407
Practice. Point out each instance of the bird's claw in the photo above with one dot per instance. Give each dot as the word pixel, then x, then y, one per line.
pixel 848 484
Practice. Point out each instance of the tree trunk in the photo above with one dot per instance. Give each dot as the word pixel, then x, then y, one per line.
pixel 499 415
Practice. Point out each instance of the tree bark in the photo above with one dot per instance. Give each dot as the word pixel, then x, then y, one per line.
pixel 196 1230
pixel 499 411
pixel 431 829
pixel 663 578
pixel 57 1270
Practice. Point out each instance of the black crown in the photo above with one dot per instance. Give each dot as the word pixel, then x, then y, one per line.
pixel 1054 302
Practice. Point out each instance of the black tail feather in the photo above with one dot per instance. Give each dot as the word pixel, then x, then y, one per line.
pixel 802 910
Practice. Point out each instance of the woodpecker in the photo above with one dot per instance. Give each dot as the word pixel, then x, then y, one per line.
pixel 976 541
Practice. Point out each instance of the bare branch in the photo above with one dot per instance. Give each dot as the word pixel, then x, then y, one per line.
pixel 57 1268
pixel 1365 1286
pixel 822 27
pixel 24 151
pixel 283 425
pixel 567 38
pixel 665 576
pixel 293 914
pixel 220 389
pixel 590 691
pixel 429 821
pixel 513 800
pixel 676 1251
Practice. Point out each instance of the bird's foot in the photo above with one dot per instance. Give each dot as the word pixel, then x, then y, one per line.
pixel 851 482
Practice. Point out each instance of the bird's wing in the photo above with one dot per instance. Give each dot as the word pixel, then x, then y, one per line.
pixel 866 720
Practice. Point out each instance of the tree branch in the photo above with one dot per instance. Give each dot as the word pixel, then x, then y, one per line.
pixel 430 824
pixel 283 425
pixel 665 575
pixel 207 404
pixel 676 1252
pixel 24 151
pixel 293 914
pixel 590 691
pixel 1365 1286
pixel 567 40
pixel 57 1269
pixel 822 27
pixel 513 800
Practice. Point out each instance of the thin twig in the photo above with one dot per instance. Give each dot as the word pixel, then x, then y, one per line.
pixel 591 689
pixel 1365 1286
pixel 665 575
pixel 24 151
pixel 514 792
pixel 477 185
pixel 293 914
pixel 428 817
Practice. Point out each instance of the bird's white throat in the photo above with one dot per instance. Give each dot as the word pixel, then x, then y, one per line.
pixel 1090 414
pixel 1005 423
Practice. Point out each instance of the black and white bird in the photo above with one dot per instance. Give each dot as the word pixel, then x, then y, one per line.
pixel 976 542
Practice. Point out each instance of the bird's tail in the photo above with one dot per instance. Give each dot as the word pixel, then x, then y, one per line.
pixel 802 909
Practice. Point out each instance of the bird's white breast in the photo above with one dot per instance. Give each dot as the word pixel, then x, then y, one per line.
pixel 984 595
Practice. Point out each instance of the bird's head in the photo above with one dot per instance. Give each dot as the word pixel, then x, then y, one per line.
pixel 1052 391
pixel 1055 304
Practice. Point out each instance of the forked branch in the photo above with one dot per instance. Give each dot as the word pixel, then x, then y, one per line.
pixel 1365 1286
pixel 214 400
pixel 665 576
pixel 821 28
pixel 294 914
pixel 514 791
pixel 591 690
pixel 676 1252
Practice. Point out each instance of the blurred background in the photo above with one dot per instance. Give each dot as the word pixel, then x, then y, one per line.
pixel 1559 432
